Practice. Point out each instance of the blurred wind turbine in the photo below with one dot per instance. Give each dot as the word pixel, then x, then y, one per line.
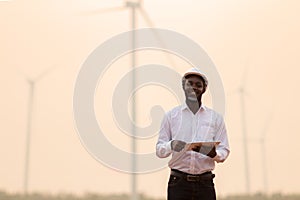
pixel 262 142
pixel 242 92
pixel 133 6
pixel 32 84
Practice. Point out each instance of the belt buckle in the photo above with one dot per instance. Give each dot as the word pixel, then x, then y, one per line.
pixel 192 178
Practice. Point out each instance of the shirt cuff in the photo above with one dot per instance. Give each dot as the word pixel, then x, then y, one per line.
pixel 169 147
pixel 166 150
pixel 219 157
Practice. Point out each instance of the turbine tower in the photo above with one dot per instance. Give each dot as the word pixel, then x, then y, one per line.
pixel 133 6
pixel 242 92
pixel 262 142
pixel 28 133
pixel 32 85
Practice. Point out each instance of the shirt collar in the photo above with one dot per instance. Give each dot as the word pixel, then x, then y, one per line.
pixel 184 106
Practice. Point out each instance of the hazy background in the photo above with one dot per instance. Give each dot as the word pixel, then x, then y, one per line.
pixel 255 43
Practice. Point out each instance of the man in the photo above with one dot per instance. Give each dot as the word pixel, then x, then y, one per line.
pixel 196 137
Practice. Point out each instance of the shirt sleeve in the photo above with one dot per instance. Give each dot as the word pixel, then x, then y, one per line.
pixel 221 135
pixel 163 145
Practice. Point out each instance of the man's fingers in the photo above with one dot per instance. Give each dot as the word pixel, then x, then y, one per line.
pixel 177 145
pixel 212 153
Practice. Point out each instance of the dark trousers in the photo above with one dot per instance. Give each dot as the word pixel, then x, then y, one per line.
pixel 179 188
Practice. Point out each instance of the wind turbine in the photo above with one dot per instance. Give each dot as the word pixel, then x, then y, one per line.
pixel 32 85
pixel 262 142
pixel 133 7
pixel 242 92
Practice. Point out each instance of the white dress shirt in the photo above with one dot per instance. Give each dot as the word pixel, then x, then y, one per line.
pixel 182 124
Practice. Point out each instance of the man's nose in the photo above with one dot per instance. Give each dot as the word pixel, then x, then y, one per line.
pixel 195 87
pixel 192 85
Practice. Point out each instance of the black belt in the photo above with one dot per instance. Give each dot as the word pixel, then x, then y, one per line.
pixel 193 177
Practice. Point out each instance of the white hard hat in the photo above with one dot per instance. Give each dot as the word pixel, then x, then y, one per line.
pixel 195 71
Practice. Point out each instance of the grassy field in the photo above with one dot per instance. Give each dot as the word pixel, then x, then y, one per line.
pixel 37 196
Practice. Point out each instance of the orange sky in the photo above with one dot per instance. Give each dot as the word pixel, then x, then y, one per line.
pixel 259 37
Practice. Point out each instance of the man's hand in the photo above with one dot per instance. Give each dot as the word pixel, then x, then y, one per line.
pixel 212 152
pixel 206 149
pixel 177 145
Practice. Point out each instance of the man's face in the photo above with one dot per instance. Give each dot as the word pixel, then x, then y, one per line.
pixel 193 88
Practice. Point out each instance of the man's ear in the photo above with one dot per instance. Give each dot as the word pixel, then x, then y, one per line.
pixel 183 82
pixel 205 88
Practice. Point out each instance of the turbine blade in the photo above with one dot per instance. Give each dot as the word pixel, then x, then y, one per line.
pixel 245 73
pixel 146 17
pixel 159 39
pixel 243 86
pixel 44 73
pixel 101 11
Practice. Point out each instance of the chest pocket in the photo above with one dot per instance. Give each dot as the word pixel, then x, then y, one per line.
pixel 207 132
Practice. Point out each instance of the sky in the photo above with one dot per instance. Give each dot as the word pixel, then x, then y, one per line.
pixel 253 44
